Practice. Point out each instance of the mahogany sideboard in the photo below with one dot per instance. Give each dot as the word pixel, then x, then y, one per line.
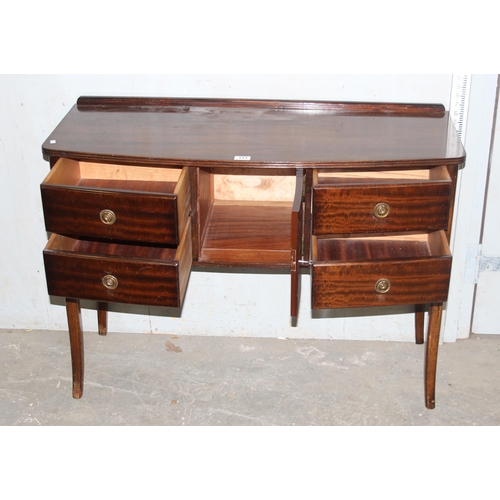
pixel 361 195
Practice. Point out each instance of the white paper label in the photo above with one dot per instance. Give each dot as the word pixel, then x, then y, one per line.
pixel 242 157
pixel 52 141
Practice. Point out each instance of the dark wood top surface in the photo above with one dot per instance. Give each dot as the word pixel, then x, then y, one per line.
pixel 211 132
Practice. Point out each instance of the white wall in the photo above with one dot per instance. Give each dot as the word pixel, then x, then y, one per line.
pixel 216 303
pixel 486 313
pixel 470 206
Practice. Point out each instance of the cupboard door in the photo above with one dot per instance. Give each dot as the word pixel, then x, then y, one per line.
pixel 297 251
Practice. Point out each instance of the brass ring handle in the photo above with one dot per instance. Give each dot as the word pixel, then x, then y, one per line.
pixel 383 285
pixel 381 210
pixel 110 282
pixel 107 217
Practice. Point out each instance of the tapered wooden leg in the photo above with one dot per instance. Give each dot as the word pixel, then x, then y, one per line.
pixel 419 324
pixel 435 312
pixel 102 317
pixel 76 344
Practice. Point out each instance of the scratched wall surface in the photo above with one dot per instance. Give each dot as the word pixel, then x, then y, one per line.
pixel 217 303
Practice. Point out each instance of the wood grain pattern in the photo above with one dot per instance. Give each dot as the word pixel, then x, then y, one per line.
pixel 297 230
pixel 453 173
pixel 146 275
pixel 171 171
pixel 361 249
pixel 341 207
pixel 76 345
pixel 245 217
pixel 302 135
pixel 435 313
pixel 182 105
pixel 254 234
pixel 353 284
pixel 102 318
pixel 204 204
pixel 419 323
pixel 146 211
pixel 182 194
pixel 184 258
pixel 345 271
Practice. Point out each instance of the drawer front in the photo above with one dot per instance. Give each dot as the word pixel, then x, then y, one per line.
pixel 133 275
pixel 365 284
pixel 121 215
pixel 381 208
pixel 117 216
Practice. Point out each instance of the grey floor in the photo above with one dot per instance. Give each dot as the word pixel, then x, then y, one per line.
pixel 134 379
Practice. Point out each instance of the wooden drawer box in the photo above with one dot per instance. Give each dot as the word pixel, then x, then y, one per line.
pixel 143 275
pixel 375 202
pixel 363 272
pixel 116 202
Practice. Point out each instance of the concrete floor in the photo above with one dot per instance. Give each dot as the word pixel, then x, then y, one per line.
pixel 134 379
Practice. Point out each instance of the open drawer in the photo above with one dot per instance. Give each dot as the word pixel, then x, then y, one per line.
pixel 375 202
pixel 116 202
pixel 104 272
pixel 362 272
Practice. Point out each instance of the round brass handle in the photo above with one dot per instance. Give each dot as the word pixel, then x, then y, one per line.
pixel 107 216
pixel 110 282
pixel 383 285
pixel 381 210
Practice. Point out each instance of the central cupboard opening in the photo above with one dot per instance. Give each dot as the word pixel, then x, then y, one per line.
pixel 245 217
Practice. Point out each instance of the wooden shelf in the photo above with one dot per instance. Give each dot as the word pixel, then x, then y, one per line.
pixel 249 234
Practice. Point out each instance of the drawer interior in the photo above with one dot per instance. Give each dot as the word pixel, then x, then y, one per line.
pixel 379 249
pixel 382 177
pixel 71 245
pixel 73 173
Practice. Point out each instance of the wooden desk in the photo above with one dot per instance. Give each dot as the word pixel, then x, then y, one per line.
pixel 142 189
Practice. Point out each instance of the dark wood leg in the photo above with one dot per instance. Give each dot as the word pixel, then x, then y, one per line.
pixel 419 324
pixel 76 344
pixel 102 317
pixel 435 312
